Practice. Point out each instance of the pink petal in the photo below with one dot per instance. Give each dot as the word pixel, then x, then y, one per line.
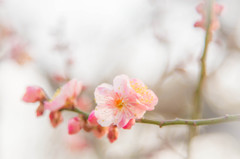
pixel 56 104
pixel 66 97
pixel 105 115
pixel 150 99
pixel 200 8
pixel 74 125
pixel 92 118
pixel 145 95
pixel 33 94
pixel 122 121
pixel 103 93
pixel 217 9
pixel 129 124
pixel 121 85
pixel 84 103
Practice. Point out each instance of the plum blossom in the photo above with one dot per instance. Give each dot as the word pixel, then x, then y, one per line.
pixel 127 99
pixel 65 97
pixel 209 10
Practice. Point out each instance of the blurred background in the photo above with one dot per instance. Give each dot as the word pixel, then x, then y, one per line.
pixel 47 42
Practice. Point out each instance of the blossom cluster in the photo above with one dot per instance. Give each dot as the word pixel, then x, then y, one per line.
pixel 118 105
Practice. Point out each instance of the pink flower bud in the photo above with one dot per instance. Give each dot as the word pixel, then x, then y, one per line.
pixel 40 110
pixel 74 125
pixel 92 118
pixel 34 94
pixel 112 134
pixel 129 124
pixel 55 118
pixel 100 131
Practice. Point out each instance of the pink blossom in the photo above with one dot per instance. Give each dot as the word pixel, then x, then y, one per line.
pixel 19 54
pixel 65 97
pixel 127 99
pixel 75 125
pixel 215 11
pixel 129 124
pixel 112 134
pixel 55 118
pixel 34 94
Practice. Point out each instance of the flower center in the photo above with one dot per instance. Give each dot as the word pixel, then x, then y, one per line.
pixel 119 103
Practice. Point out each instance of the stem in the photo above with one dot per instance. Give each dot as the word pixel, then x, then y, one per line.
pixel 177 121
pixel 197 96
pixel 197 110
pixel 197 122
pixel 76 111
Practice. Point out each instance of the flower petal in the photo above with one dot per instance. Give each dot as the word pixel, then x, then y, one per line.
pixel 33 94
pixel 103 94
pixel 105 115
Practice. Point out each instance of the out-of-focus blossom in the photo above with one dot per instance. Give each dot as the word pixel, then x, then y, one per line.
pixel 129 124
pixel 209 11
pixel 77 143
pixel 5 32
pixel 127 99
pixel 112 134
pixel 65 97
pixel 55 118
pixel 19 54
pixel 59 78
pixel 34 94
pixel 74 125
pixel 84 103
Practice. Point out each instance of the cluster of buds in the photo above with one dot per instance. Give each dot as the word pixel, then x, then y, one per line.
pixel 66 97
pixel 209 10
pixel 91 125
pixel 117 106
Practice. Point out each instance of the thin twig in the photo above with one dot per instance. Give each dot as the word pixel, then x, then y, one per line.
pixel 177 121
